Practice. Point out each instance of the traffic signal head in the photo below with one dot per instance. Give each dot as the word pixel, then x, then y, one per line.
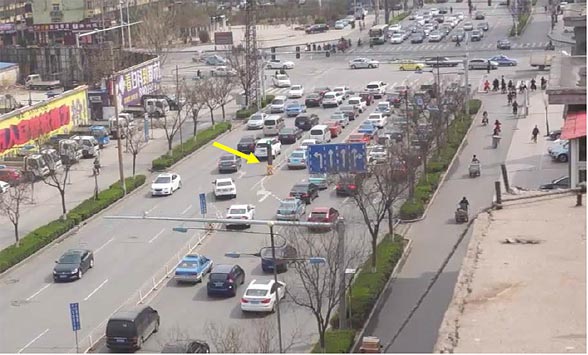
pixel 273 57
pixel 273 49
pixel 489 2
pixel 297 52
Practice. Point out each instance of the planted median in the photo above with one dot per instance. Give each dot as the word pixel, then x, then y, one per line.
pixel 42 236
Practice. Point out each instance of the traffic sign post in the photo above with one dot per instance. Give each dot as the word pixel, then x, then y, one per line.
pixel 74 311
pixel 336 158
pixel 203 204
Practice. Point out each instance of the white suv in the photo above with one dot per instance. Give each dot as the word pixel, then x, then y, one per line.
pixel 376 88
pixel 358 102
pixel 330 99
pixel 225 188
pixel 261 147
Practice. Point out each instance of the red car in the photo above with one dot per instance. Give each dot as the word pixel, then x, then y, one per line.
pixel 324 215
pixel 335 128
pixel 358 138
pixel 368 97
pixel 321 90
pixel 11 176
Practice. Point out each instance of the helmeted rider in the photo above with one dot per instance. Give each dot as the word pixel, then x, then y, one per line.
pixel 464 204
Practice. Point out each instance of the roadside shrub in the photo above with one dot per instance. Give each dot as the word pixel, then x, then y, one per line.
pixel 434 166
pixel 422 192
pixel 190 146
pixel 475 105
pixel 336 342
pixel 244 113
pixel 42 236
pixel 319 20
pixel 433 179
pixel 411 209
pixel 396 19
pixel 203 36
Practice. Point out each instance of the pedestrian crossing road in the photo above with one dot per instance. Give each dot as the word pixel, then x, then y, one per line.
pixel 444 46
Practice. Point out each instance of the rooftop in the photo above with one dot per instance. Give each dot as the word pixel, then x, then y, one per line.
pixel 567 80
pixel 575 15
pixel 522 286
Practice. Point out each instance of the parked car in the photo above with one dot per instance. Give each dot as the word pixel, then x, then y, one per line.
pixel 305 191
pixel 11 175
pixel 255 121
pixel 476 35
pixel 559 183
pixel 468 26
pixel 480 15
pixel 283 253
pixel 323 215
pixel 313 100
pixel 229 163
pixel 297 159
pixel 225 187
pixel 72 265
pixel 560 150
pixel 484 26
pixel 225 279
pixel 306 121
pixel 289 135
pixel 192 268
pixel 291 209
pixel 166 184
pixel 262 296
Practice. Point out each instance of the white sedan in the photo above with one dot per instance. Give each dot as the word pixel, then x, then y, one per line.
pixel 262 296
pixel 243 212
pixel 378 119
pixel 397 38
pixel 4 187
pixel 281 81
pixel 280 64
pixel 225 187
pixel 296 91
pixel 166 184
pixel 359 63
pixel 307 142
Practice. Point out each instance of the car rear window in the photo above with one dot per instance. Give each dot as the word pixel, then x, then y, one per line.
pixel 227 158
pixel 120 328
pixel 224 183
pixel 330 96
pixel 218 277
pixel 318 215
pixel 189 264
pixel 270 122
pixel 300 188
pixel 297 155
pixel 373 86
pixel 316 132
pixel 353 101
pixel 163 180
pixel 237 211
pixel 255 292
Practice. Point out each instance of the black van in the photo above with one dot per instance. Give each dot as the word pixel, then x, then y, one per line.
pixel 130 327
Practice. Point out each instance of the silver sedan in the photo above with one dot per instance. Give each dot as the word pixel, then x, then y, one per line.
pixel 359 63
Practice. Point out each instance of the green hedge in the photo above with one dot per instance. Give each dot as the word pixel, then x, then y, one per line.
pixel 439 162
pixel 42 236
pixel 190 146
pixel 396 19
pixel 246 112
pixel 364 292
pixel 523 19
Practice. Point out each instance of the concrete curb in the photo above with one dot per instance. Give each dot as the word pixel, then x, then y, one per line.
pixel 561 39
pixel 397 268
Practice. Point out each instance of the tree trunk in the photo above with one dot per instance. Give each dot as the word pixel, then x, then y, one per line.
pixel 134 163
pixel 63 208
pixel 16 236
pixel 390 219
pixel 195 128
pixel 211 115
pixel 223 110
pixel 322 340
pixel 169 144
pixel 374 250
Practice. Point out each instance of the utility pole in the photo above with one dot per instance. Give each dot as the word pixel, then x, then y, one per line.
pixel 122 28
pixel 273 244
pixel 466 64
pixel 180 108
pixel 251 55
pixel 118 130
pixel 128 26
pixel 340 227
pixel 377 10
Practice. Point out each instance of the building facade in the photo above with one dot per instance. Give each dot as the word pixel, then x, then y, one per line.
pixel 16 19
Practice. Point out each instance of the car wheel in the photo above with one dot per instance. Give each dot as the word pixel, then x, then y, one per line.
pixel 91 263
pixel 235 196
pixel 353 67
pixel 180 185
pixel 80 274
pixel 370 66
pixel 562 158
pixel 401 68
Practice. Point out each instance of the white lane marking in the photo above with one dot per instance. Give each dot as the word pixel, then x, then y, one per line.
pixel 241 174
pixel 345 200
pixel 254 187
pixel 186 210
pixel 103 245
pixel 95 290
pixel 32 341
pixel 151 209
pixel 156 236
pixel 37 293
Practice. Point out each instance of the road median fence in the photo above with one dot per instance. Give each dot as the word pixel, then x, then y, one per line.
pixel 44 235
pixel 189 146
pixel 364 293
pixel 437 166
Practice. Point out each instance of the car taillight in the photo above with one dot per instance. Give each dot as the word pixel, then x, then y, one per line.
pixel 244 300
pixel 265 301
pixel 352 186
pixel 303 160
pixel 338 186
pixel 305 195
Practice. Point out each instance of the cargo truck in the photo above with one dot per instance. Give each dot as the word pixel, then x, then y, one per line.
pixel 35 82
pixel 33 166
pixel 541 60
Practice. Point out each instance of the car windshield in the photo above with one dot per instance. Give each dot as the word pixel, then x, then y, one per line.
pixel 120 328
pixel 70 259
pixel 281 77
pixel 256 118
pixel 312 96
pixel 295 87
pixel 293 104
pixel 287 131
pixel 247 140
pixel 337 116
pixel 237 211
pixel 330 96
pixel 382 106
pixel 188 264
pixel 224 183
pixel 270 122
pixel 255 292
pixel 372 117
pixel 318 215
pixel 373 86
pixel 163 180
pixel 353 101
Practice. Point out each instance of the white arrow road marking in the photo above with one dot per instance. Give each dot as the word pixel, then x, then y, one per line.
pixel 95 290
pixel 156 236
pixel 37 293
pixel 265 194
pixel 103 245
pixel 32 341
pixel 186 210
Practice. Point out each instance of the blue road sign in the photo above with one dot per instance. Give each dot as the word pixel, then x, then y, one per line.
pixel 74 311
pixel 336 158
pixel 202 203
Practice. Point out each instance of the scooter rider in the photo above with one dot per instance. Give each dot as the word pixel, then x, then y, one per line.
pixel 485 118
pixel 464 204
pixel 475 159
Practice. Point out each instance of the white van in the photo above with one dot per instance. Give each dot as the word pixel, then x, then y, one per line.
pixel 321 133
pixel 272 125
pixel 278 104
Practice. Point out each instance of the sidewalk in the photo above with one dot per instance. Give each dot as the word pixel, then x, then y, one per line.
pixel 47 201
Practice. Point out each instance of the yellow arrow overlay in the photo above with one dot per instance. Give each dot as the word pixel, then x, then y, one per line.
pixel 251 158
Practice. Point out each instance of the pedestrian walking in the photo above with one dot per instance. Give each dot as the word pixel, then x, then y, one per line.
pixel 451 9
pixel 533 84
pixel 543 83
pixel 489 67
pixel 535 133
pixel 509 97
pixel 515 108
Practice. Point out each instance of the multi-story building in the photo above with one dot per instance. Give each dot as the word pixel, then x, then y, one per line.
pixel 16 17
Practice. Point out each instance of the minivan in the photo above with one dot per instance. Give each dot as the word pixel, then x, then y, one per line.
pixel 272 125
pixel 128 328
pixel 224 280
pixel 321 133
pixel 278 104
pixel 305 122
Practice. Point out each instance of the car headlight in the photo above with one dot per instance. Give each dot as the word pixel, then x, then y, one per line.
pixel 75 271
pixel 54 272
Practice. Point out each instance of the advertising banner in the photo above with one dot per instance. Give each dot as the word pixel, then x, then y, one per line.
pixel 43 120
pixel 132 83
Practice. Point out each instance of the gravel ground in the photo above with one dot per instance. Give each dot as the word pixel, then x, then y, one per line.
pixel 522 298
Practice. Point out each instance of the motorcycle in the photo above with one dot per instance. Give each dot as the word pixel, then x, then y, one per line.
pixel 550 47
pixel 484 121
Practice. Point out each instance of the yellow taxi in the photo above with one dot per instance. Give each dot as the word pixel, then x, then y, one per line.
pixel 411 65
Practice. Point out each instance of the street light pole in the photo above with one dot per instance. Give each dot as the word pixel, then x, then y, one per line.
pixel 466 64
pixel 128 26
pixel 340 227
pixel 122 28
pixel 273 244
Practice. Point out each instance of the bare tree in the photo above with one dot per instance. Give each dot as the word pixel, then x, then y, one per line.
pixel 318 287
pixel 209 96
pixel 237 61
pixel 135 143
pixel 376 191
pixel 222 88
pixel 172 121
pixel 225 340
pixel 195 101
pixel 10 203
pixel 158 29
pixel 58 180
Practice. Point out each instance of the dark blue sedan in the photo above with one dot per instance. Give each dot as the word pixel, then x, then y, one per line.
pixel 503 60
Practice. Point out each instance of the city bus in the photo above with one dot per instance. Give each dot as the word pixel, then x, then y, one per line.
pixel 378 34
